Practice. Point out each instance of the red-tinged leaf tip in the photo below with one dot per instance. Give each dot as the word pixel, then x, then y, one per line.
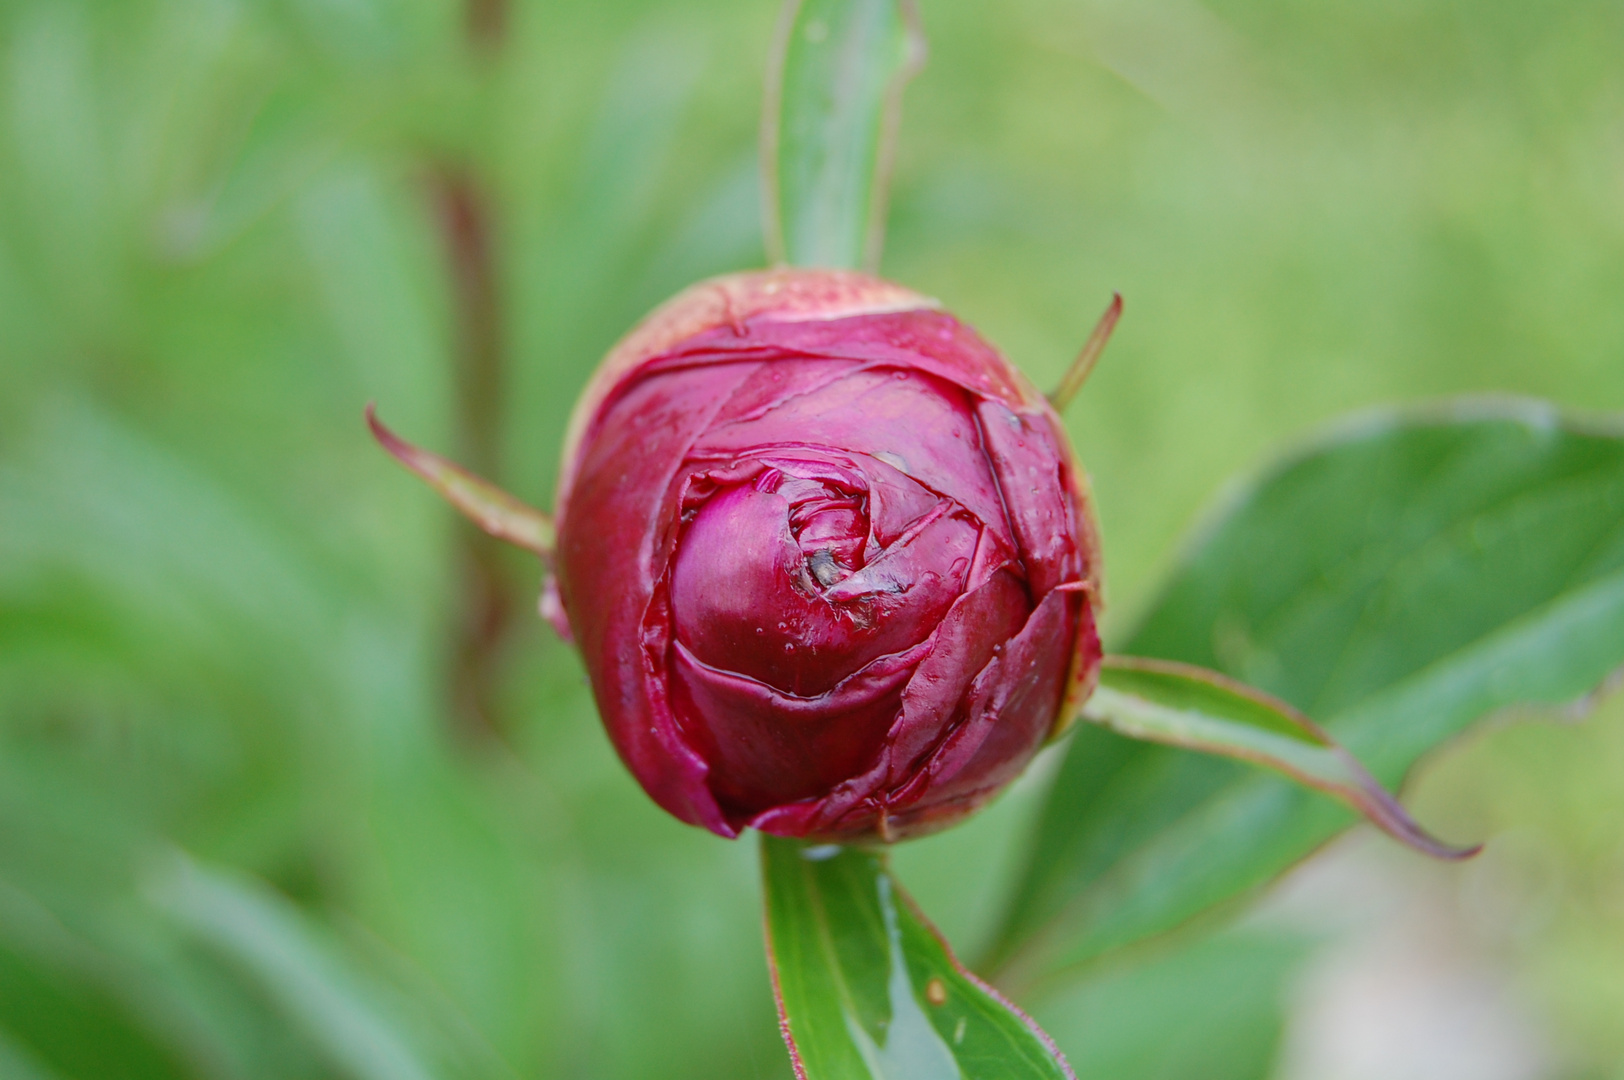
pixel 480 501
pixel 1382 810
pixel 1083 366
pixel 1182 705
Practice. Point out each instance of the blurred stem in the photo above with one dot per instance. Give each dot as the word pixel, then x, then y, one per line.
pixel 486 598
pixel 486 22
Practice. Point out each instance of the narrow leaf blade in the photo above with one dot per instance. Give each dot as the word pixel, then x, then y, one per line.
pixel 271 942
pixel 834 97
pixel 1181 705
pixel 1401 579
pixel 868 990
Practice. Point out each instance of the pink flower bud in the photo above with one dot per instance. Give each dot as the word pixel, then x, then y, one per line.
pixel 827 556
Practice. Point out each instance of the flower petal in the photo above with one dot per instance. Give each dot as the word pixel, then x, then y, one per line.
pixel 768 747
pixel 622 507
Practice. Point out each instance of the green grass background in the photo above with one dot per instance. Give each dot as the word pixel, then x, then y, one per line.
pixel 239 836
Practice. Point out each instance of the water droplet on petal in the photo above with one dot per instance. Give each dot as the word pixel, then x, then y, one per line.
pixel 896 461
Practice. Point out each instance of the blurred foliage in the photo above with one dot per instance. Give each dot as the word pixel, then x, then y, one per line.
pixel 240 835
pixel 1547 898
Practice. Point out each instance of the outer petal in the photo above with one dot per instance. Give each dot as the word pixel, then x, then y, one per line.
pixel 923 339
pixel 785 294
pixel 1007 716
pixel 1028 458
pixel 966 640
pixel 626 505
pixel 1002 719
pixel 770 747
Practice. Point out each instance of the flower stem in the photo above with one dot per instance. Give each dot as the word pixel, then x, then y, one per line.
pixel 486 597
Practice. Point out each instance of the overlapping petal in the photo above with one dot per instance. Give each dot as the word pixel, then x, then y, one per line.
pixel 828 558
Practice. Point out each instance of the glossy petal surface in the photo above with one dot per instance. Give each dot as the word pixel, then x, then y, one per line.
pixel 832 576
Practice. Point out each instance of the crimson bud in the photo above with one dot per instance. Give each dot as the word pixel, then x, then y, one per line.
pixel 828 558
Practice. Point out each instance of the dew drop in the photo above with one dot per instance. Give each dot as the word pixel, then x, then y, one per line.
pixel 896 461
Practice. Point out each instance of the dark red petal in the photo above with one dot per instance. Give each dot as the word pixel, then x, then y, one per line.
pixel 782 377
pixel 1028 459
pixel 743 601
pixel 1007 716
pixel 925 339
pixel 609 554
pixel 917 424
pixel 895 500
pixel 963 645
pixel 766 747
pixel 966 641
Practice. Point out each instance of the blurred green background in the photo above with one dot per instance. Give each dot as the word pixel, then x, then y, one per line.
pixel 292 781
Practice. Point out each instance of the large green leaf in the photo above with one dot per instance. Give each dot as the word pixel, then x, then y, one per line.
pixel 1230 993
pixel 867 990
pixel 834 95
pixel 1398 581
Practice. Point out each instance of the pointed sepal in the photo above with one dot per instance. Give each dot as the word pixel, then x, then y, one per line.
pixel 477 499
pixel 1083 366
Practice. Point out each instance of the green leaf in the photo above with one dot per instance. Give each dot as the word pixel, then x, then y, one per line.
pixel 867 989
pixel 1399 580
pixel 834 96
pixel 1163 701
pixel 1228 992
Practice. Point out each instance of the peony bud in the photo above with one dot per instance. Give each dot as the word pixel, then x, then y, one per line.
pixel 827 556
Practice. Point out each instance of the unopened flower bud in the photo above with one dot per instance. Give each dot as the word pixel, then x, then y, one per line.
pixel 827 556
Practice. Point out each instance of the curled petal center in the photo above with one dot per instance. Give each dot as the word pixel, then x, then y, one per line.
pixel 780 578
